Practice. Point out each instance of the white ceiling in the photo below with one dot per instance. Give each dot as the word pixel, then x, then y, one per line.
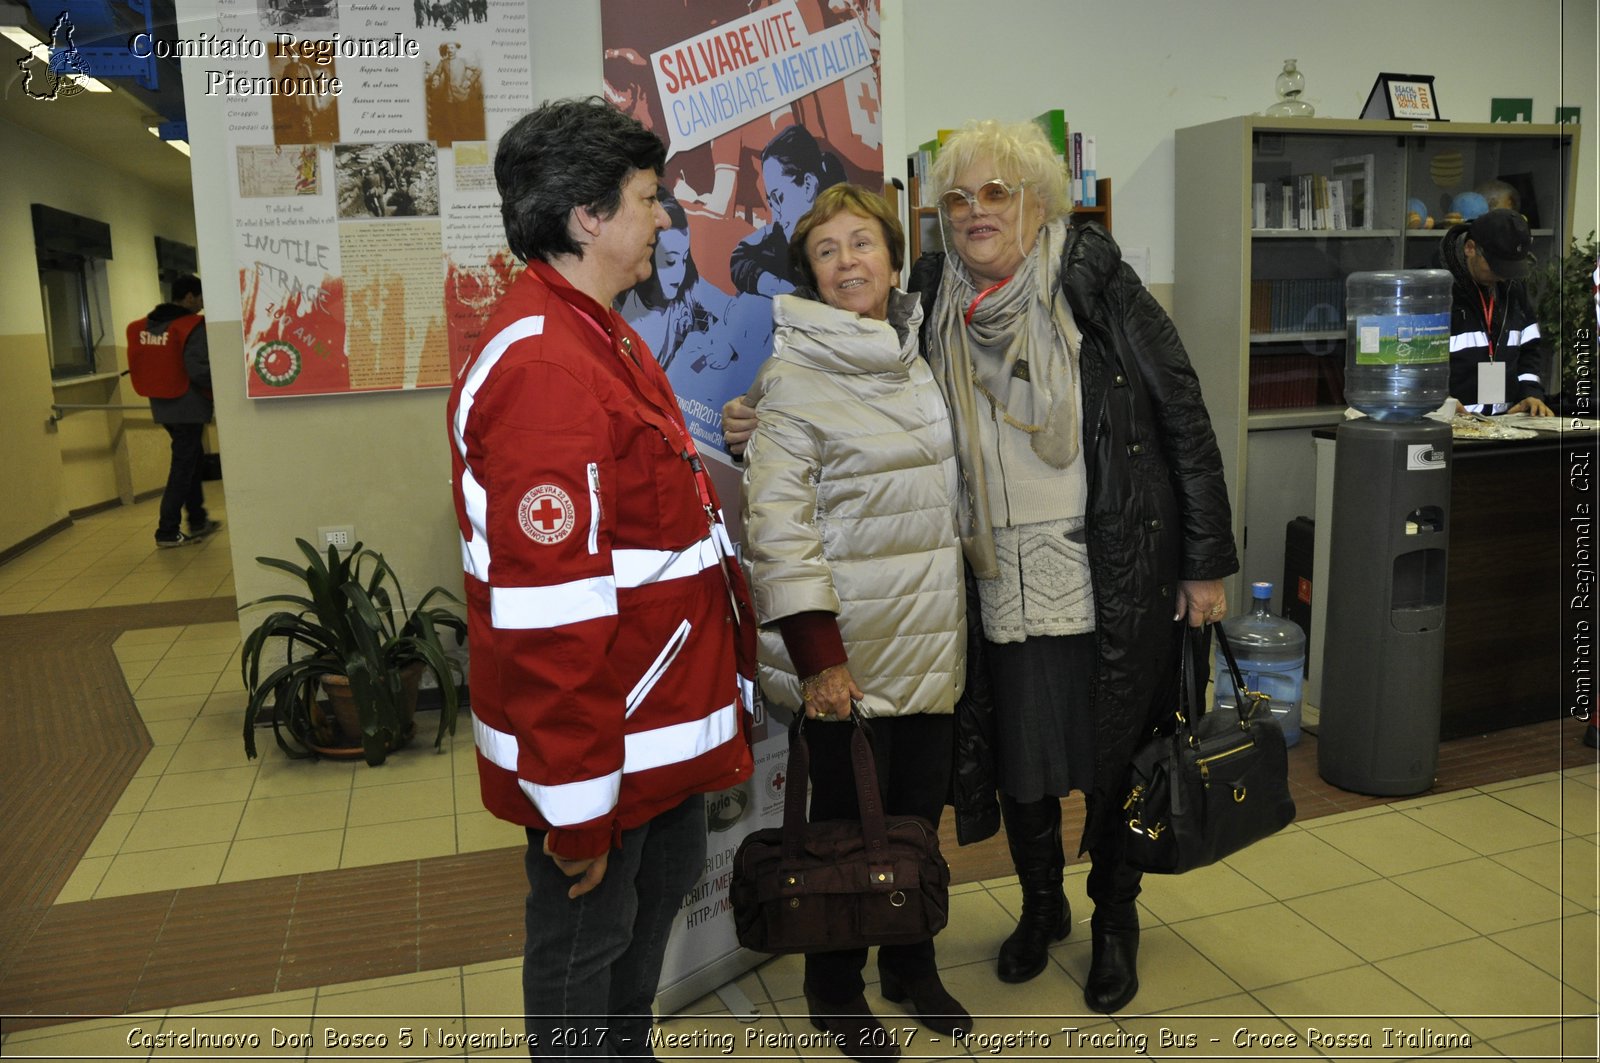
pixel 108 127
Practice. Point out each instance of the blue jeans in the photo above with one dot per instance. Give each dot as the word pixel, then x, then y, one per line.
pixel 591 965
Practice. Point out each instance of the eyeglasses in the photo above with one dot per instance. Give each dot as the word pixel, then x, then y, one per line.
pixel 995 196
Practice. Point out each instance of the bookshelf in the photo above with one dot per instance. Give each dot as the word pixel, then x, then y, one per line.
pixel 922 223
pixel 1272 372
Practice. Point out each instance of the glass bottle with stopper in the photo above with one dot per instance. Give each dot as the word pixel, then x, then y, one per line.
pixel 1291 83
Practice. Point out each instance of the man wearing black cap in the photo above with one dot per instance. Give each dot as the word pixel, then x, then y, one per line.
pixel 1495 353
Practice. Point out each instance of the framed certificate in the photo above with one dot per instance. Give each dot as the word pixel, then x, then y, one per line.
pixel 1402 96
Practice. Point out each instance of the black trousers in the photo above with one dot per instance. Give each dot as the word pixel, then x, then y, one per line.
pixel 913 756
pixel 183 491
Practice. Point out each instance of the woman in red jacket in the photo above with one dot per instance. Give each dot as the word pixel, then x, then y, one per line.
pixel 610 686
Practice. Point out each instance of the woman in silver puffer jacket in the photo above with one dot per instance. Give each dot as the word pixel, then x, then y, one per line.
pixel 855 563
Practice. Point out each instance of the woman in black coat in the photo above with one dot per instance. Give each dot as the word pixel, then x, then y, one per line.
pixel 1094 518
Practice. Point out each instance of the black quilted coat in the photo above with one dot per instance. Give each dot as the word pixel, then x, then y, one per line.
pixel 1157 513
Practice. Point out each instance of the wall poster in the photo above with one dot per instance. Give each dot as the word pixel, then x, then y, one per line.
pixel 367 229
pixel 762 106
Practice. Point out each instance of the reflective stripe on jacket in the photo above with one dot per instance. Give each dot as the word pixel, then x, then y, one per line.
pixel 605 675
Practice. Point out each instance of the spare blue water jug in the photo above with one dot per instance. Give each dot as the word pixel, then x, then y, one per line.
pixel 1271 651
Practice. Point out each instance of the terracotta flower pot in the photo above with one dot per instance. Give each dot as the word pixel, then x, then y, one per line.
pixel 343 729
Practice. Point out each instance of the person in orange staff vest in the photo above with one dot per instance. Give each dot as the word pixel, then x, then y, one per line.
pixel 170 364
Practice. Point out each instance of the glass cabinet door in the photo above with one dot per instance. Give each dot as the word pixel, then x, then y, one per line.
pixel 1321 208
pixel 1454 179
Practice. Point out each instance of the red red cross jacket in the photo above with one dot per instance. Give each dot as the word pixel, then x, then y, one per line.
pixel 610 676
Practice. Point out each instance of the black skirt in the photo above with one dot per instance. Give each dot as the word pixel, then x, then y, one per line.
pixel 1044 724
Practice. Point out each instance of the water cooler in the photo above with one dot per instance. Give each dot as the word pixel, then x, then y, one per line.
pixel 1383 665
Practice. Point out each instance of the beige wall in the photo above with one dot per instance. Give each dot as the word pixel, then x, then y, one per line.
pixel 378 462
pixel 30 481
pixel 89 458
pixel 1133 73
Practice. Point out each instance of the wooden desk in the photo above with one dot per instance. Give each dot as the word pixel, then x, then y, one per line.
pixel 1502 646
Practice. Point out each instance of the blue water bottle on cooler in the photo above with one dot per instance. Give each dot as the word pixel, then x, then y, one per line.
pixel 1271 651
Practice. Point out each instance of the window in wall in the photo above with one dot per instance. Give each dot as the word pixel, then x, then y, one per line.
pixel 72 251
pixel 76 308
pixel 173 260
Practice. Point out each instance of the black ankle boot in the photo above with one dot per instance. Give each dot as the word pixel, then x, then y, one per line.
pixel 1033 831
pixel 1114 962
pixel 856 1032
pixel 929 1000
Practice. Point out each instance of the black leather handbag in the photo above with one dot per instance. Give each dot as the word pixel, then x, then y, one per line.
pixel 838 884
pixel 1217 783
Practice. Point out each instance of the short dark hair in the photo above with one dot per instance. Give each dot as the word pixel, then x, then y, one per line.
pixel 567 154
pixel 185 286
pixel 846 199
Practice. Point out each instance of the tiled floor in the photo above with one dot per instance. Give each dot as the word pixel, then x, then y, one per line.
pixel 111 558
pixel 1465 921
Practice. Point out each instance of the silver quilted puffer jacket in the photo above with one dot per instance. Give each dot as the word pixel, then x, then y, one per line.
pixel 847 496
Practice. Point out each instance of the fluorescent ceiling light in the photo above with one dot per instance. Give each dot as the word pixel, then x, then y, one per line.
pixel 40 50
pixel 21 37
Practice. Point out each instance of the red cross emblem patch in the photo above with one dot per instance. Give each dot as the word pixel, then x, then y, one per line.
pixel 546 514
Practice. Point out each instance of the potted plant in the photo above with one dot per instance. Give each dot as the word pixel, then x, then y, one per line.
pixel 348 629
pixel 1563 291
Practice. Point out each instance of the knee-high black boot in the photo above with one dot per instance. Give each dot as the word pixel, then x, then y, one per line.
pixel 1113 966
pixel 1033 831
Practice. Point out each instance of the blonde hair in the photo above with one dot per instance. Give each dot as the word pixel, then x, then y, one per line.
pixel 1019 148
pixel 846 199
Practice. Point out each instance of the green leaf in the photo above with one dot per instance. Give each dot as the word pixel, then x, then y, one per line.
pixel 352 620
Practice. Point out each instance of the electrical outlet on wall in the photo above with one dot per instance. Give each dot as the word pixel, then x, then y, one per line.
pixel 341 535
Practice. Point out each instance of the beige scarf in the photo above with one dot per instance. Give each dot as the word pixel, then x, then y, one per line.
pixel 1018 332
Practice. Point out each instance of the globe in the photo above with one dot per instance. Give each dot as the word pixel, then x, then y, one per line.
pixel 1469 205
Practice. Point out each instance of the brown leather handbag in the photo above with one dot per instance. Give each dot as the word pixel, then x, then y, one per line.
pixel 839 884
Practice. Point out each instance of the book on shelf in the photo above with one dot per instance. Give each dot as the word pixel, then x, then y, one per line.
pixel 1260 306
pixel 1088 171
pixel 1059 132
pixel 1297 305
pixel 1336 211
pixel 919 165
pixel 1075 169
pixel 1315 202
pixel 1283 381
pixel 1054 124
pixel 1356 174
pixel 925 155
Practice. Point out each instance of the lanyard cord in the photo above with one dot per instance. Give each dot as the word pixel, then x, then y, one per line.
pixel 972 307
pixel 684 443
pixel 1488 319
pixel 680 439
